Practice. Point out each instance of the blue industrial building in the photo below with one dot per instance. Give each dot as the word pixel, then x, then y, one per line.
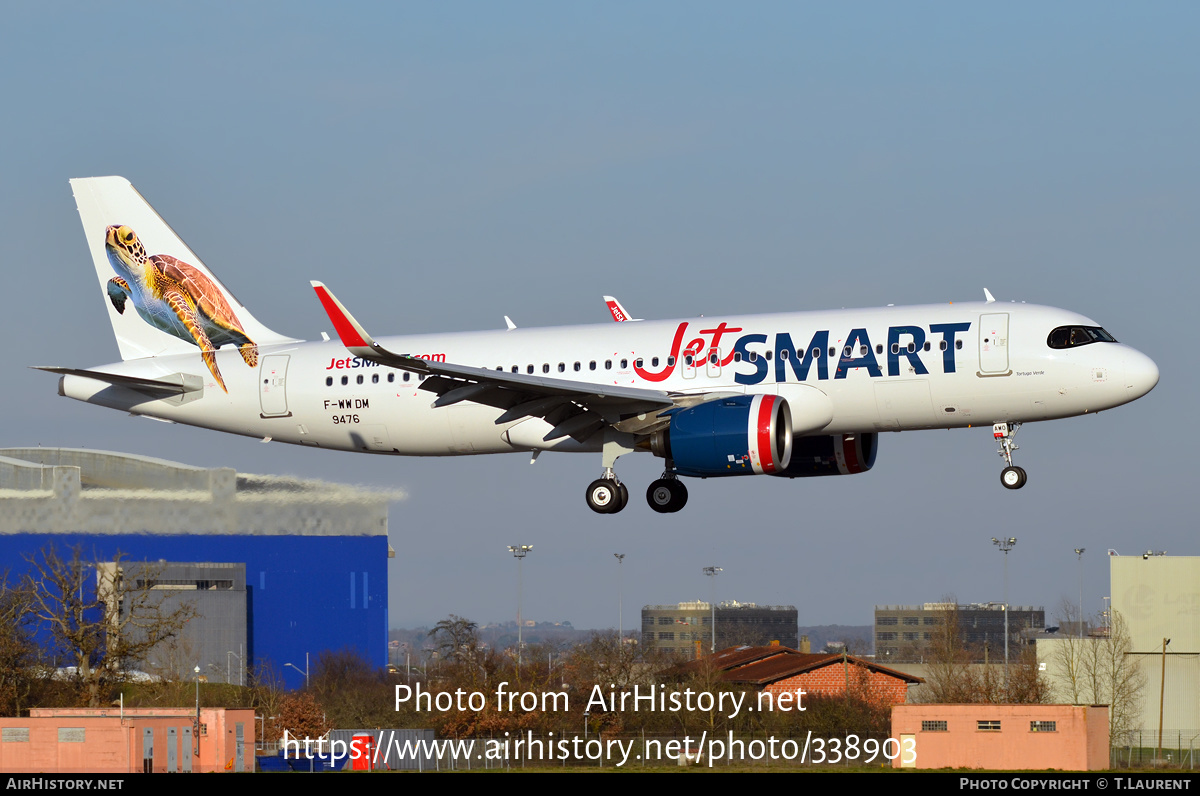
pixel 315 554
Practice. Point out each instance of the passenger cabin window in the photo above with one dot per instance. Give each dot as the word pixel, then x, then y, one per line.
pixel 624 364
pixel 391 377
pixel 359 379
pixel 592 365
pixel 345 380
pixel 329 381
pixel 671 362
pixel 1072 336
pixel 407 375
pixel 374 378
pixel 608 364
pixel 529 368
pixel 545 367
pixel 562 367
pixel 879 348
pixel 578 366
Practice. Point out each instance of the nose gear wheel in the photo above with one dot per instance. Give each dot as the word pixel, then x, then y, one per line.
pixel 1012 477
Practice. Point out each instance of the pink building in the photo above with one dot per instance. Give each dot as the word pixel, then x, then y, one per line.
pixel 112 741
pixel 1004 737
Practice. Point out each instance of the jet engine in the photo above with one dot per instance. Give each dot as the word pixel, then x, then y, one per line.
pixel 836 454
pixel 742 435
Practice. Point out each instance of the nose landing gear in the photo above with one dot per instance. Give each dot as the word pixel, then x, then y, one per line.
pixel 1012 477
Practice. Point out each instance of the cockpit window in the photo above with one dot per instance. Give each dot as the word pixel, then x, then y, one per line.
pixel 1072 336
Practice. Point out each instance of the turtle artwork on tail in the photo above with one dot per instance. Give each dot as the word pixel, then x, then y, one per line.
pixel 175 297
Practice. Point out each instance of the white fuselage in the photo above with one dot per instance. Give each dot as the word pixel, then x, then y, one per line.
pixel 969 364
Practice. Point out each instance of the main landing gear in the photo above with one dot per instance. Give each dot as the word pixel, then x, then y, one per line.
pixel 1012 477
pixel 667 495
pixel 607 495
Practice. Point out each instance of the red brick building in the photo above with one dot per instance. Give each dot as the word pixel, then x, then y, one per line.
pixel 784 670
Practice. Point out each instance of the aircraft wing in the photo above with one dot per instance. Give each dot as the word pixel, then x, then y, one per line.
pixel 575 409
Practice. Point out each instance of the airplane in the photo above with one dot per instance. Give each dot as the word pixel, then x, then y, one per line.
pixel 790 395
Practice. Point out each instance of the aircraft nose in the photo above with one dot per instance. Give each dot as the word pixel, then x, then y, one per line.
pixel 1141 374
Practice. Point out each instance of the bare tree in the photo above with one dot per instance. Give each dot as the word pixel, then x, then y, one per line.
pixel 18 649
pixel 1116 677
pixel 1067 660
pixel 950 679
pixel 100 621
pixel 954 677
pixel 1101 670
pixel 457 639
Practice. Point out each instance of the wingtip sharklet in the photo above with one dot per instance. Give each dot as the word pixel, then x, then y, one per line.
pixel 350 331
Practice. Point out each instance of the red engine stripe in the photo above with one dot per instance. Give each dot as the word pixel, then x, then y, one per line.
pixel 850 451
pixel 765 412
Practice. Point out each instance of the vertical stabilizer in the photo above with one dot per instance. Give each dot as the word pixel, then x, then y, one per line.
pixel 161 298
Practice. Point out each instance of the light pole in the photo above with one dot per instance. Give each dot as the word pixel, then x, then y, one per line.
pixel 519 552
pixel 303 671
pixel 196 723
pixel 712 573
pixel 1079 551
pixel 1005 545
pixel 620 596
pixel 241 668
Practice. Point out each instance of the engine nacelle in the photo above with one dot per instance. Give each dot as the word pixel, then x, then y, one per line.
pixel 836 454
pixel 742 435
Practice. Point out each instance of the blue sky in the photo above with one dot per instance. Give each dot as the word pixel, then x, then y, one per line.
pixel 442 165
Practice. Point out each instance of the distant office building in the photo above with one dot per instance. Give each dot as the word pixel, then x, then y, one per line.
pixel 903 633
pixel 678 628
pixel 284 567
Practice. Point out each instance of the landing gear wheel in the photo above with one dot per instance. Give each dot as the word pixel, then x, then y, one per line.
pixel 604 496
pixel 667 495
pixel 1013 477
pixel 624 495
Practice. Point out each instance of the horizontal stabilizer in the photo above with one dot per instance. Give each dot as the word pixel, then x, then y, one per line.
pixel 174 384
